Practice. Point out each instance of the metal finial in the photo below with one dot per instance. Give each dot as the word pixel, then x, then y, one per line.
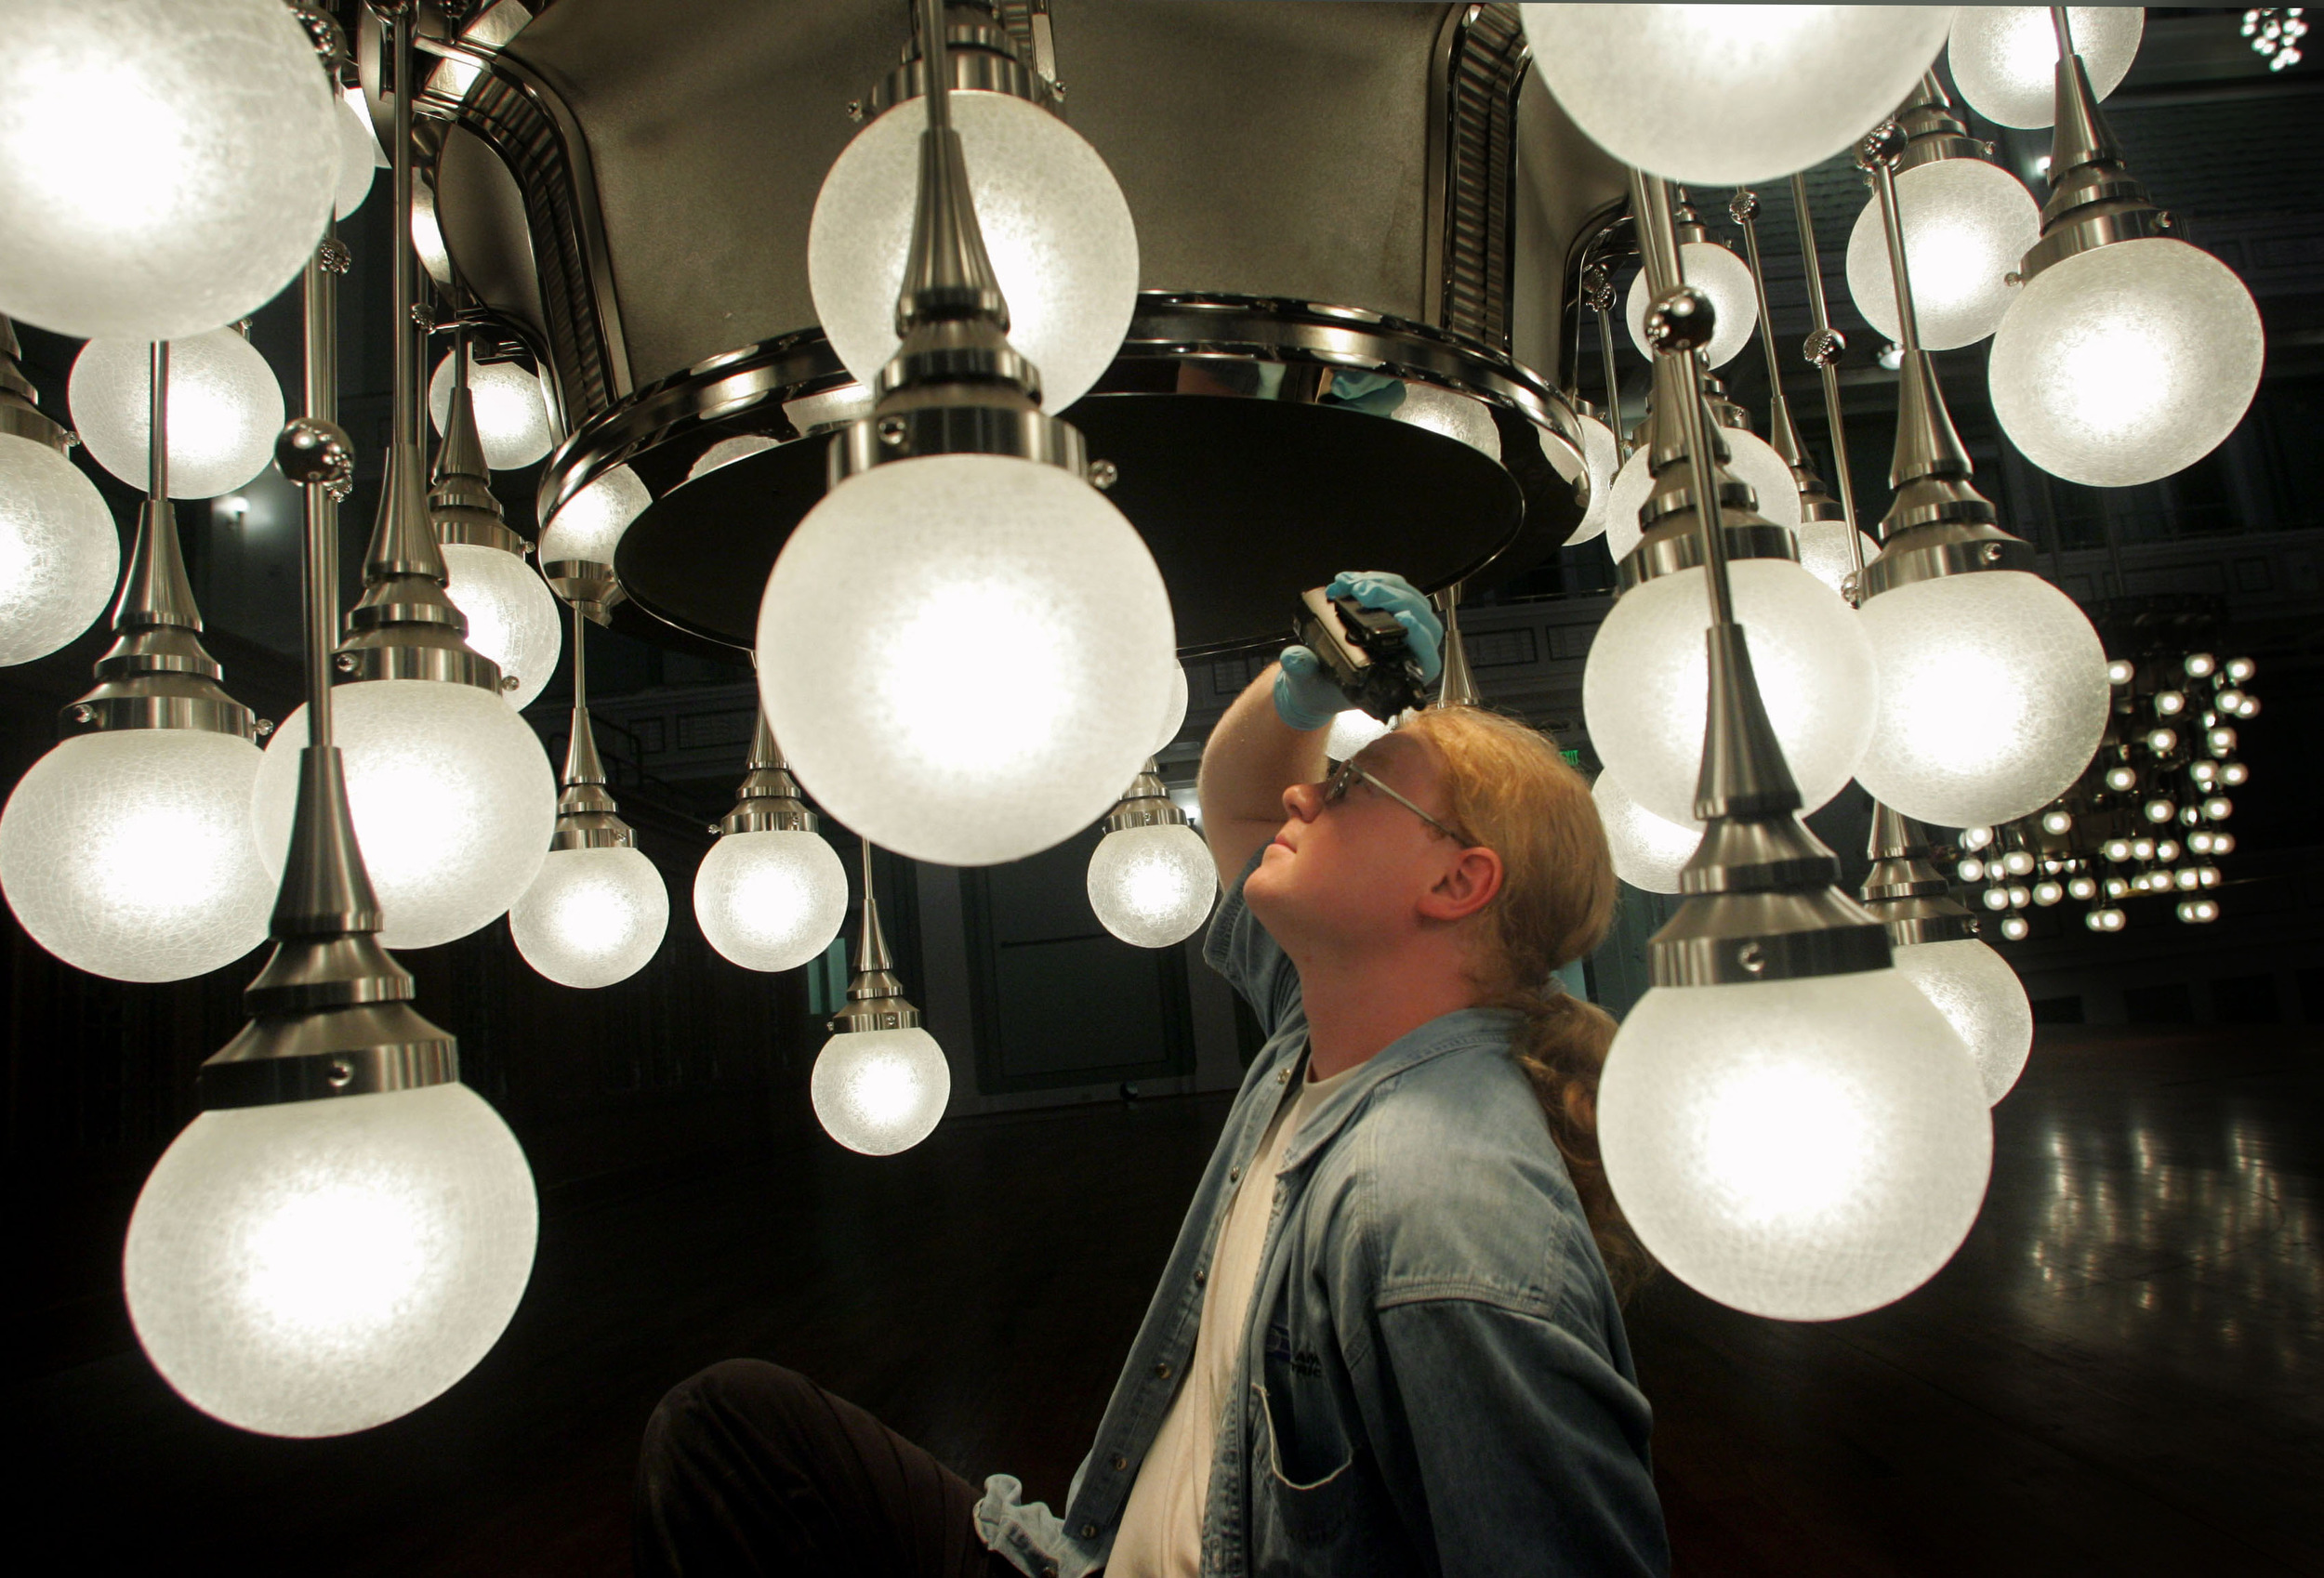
pixel 875 994
pixel 1905 890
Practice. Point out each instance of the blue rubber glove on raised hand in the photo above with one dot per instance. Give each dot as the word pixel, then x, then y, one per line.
pixel 1305 695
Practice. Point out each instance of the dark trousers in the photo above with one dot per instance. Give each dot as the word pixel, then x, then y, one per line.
pixel 750 1468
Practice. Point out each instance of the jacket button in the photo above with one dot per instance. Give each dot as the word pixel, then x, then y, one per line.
pixel 1201 1276
pixel 1162 1371
pixel 1088 1531
pixel 1119 1462
pixel 1049 1570
pixel 1234 1175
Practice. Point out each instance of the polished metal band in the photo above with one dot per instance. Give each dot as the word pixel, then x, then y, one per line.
pixel 1667 552
pixel 150 707
pixel 1026 433
pixel 450 665
pixel 1780 936
pixel 587 585
pixel 363 1050
pixel 2124 215
pixel 886 1011
pixel 981 61
pixel 1929 553
pixel 20 420
pixel 1148 803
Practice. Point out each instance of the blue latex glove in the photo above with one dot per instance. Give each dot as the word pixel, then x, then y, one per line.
pixel 1305 695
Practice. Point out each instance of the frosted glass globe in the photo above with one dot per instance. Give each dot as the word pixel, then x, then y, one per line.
pixel 1723 95
pixel 1718 274
pixel 1646 685
pixel 933 654
pixel 1453 415
pixel 593 918
pixel 1351 731
pixel 1982 999
pixel 356 168
pixel 1173 707
pixel 1967 225
pixel 1751 460
pixel 164 168
pixel 771 901
pixel 1824 551
pixel 60 552
pixel 511 413
pixel 880 1091
pixel 130 853
pixel 728 451
pixel 1649 851
pixel 2127 364
pixel 589 526
pixel 1802 1150
pixel 1601 456
pixel 1992 693
pixel 1055 226
pixel 1151 887
pixel 512 616
pixel 453 800
pixel 2005 57
pixel 322 1266
pixel 225 411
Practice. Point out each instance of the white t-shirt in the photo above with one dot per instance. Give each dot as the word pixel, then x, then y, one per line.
pixel 1161 1530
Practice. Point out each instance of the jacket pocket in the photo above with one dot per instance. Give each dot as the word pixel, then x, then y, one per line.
pixel 1307 1508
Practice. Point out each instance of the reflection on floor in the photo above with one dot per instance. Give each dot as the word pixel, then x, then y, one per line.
pixel 2122 1372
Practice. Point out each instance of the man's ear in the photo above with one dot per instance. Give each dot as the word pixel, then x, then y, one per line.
pixel 1467 887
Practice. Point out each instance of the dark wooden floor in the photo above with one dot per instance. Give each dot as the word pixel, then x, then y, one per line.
pixel 2121 1373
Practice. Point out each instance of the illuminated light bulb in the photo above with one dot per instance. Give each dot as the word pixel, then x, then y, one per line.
pixel 2019 896
pixel 1351 731
pixel 1971 870
pixel 2014 928
pixel 2017 862
pixel 2223 843
pixel 2187 876
pixel 2121 673
pixel 60 552
pixel 2121 779
pixel 1967 225
pixel 2196 912
pixel 1153 887
pixel 1647 850
pixel 2250 707
pixel 225 411
pixel 589 527
pixel 1975 837
pixel 2219 808
pixel 1055 224
pixel 355 167
pixel 1174 709
pixel 2241 669
pixel 2056 821
pixel 728 451
pixel 2199 666
pixel 2200 841
pixel 2104 920
pixel 164 168
pixel 2118 886
pixel 2170 704
pixel 2083 887
pixel 2229 702
pixel 2207 876
pixel 1603 458
pixel 2220 742
pixel 1738 93
pixel 2162 742
pixel 1996 898
pixel 2142 848
pixel 512 615
pixel 1722 276
pixel 511 415
pixel 2005 58
pixel 2160 810
pixel 2233 773
pixel 2047 893
pixel 1751 461
pixel 2165 850
pixel 881 1091
pixel 1824 551
pixel 592 917
pixel 770 900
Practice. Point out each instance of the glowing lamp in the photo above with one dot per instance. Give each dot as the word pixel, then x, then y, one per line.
pixel 1751 461
pixel 1981 998
pixel 1153 887
pixel 1722 276
pixel 1967 224
pixel 590 524
pixel 225 411
pixel 60 552
pixel 1648 851
pixel 2005 57
pixel 592 917
pixel 771 901
pixel 512 416
pixel 512 615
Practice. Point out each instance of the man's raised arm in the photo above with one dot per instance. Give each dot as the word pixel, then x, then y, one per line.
pixel 1252 757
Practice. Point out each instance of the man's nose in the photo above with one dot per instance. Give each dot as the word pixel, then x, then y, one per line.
pixel 1304 801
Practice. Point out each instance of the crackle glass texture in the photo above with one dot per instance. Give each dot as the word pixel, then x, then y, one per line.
pixel 1602 456
pixel 1721 95
pixel 1824 551
pixel 225 411
pixel 2005 58
pixel 513 618
pixel 1174 707
pixel 130 853
pixel 771 901
pixel 1751 460
pixel 1153 887
pixel 355 168
pixel 2125 364
pixel 1992 693
pixel 589 526
pixel 1055 226
pixel 880 1091
pixel 593 918
pixel 1720 275
pixel 1967 225
pixel 1646 685
pixel 728 451
pixel 1801 1149
pixel 318 1267
pixel 962 656
pixel 1982 999
pixel 453 800
pixel 1647 850
pixel 60 552
pixel 164 167
pixel 511 413
pixel 1453 415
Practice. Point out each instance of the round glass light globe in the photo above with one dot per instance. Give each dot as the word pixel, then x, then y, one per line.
pixel 1718 274
pixel 1992 695
pixel 1351 731
pixel 1726 95
pixel 1153 887
pixel 318 1267
pixel 1174 708
pixel 2128 363
pixel 59 553
pixel 728 451
pixel 513 618
pixel 1055 226
pixel 130 854
pixel 225 411
pixel 880 1091
pixel 859 655
pixel 1982 999
pixel 1648 850
pixel 453 800
pixel 511 415
pixel 589 526
pixel 1802 1150
pixel 164 167
pixel 771 901
pixel 1967 225
pixel 2005 58
pixel 1603 458
pixel 1824 551
pixel 1453 415
pixel 1646 685
pixel 355 163
pixel 593 918
pixel 1751 460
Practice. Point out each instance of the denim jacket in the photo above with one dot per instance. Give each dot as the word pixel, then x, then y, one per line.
pixel 1434 1376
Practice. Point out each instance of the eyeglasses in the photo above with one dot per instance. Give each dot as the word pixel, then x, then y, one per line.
pixel 1343 778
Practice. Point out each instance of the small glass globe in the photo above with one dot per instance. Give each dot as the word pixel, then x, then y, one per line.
pixel 1824 551
pixel 1751 460
pixel 1646 687
pixel 1649 851
pixel 1726 95
pixel 2127 364
pixel 1173 708
pixel 1351 731
pixel 1801 1149
pixel 318 1267
pixel 1153 887
pixel 511 413
pixel 1967 225
pixel 871 615
pixel 130 853
pixel 1718 274
pixel 164 168
pixel 2005 58
pixel 1992 695
pixel 225 411
pixel 771 901
pixel 880 1091
pixel 1603 458
pixel 513 618
pixel 728 451
pixel 453 800
pixel 593 918
pixel 590 525
pixel 1982 999
pixel 1055 226
pixel 356 167
pixel 60 552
